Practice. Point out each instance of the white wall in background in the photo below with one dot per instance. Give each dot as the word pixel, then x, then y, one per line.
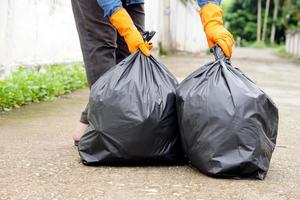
pixel 178 26
pixel 153 18
pixel 292 42
pixel 36 32
pixel 186 28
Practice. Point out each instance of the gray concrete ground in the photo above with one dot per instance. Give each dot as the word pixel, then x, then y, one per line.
pixel 38 159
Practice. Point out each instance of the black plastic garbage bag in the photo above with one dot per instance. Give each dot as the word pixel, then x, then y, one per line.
pixel 228 125
pixel 132 116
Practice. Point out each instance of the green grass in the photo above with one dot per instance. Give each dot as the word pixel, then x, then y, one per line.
pixel 283 54
pixel 25 86
pixel 259 45
pixel 161 50
pixel 280 49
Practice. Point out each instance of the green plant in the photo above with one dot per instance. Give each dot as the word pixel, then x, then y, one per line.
pixel 281 51
pixel 258 45
pixel 161 50
pixel 241 18
pixel 25 86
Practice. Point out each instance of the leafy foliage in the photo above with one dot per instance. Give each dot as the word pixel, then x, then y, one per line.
pixel 291 14
pixel 39 84
pixel 241 18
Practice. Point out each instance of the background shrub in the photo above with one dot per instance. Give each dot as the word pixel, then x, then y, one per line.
pixel 25 86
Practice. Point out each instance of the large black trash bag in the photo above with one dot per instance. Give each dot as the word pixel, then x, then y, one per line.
pixel 132 116
pixel 228 125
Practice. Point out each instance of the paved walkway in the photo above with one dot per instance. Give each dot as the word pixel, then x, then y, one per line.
pixel 38 159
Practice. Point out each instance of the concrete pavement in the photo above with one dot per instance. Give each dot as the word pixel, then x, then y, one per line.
pixel 38 159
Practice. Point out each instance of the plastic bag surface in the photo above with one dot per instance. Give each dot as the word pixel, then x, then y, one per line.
pixel 132 116
pixel 228 125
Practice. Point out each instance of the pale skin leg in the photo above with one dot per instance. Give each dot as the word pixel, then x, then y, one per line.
pixel 79 131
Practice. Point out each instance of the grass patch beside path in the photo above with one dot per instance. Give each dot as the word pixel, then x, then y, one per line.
pixel 259 45
pixel 281 51
pixel 25 86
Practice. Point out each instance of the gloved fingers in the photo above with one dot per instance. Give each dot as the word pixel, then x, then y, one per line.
pixel 149 45
pixel 134 41
pixel 210 42
pixel 226 48
pixel 230 38
pixel 144 49
pixel 229 44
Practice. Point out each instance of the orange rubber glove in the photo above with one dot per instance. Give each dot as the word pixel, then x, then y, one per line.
pixel 126 28
pixel 216 33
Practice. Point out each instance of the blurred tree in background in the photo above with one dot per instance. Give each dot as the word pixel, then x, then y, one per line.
pixel 241 19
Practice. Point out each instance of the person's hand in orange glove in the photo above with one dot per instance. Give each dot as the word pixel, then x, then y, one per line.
pixel 216 33
pixel 126 28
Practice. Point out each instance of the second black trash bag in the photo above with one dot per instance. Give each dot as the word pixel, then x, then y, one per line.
pixel 228 125
pixel 132 116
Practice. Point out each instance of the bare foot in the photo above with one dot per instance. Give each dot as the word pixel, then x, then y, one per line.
pixel 79 131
